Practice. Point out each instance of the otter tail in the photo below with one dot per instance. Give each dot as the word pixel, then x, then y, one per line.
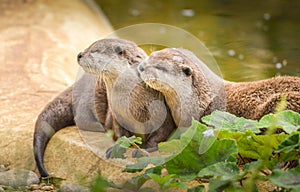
pixel 57 115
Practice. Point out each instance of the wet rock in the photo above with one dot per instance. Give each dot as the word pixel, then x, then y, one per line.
pixel 18 178
pixel 73 188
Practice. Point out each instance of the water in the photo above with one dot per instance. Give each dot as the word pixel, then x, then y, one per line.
pixel 250 40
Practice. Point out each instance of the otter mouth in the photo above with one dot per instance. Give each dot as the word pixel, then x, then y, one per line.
pixel 89 68
pixel 156 83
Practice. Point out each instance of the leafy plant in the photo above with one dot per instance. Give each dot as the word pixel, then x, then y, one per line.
pixel 228 153
pixel 123 143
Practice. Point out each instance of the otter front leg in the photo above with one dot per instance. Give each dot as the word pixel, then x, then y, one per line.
pixel 118 131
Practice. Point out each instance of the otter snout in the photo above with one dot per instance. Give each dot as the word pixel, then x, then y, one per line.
pixel 79 56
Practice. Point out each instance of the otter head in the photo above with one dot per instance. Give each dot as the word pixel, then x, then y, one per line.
pixel 167 70
pixel 177 76
pixel 110 57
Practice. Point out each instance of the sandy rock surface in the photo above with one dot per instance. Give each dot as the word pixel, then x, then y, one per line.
pixel 39 44
pixel 18 178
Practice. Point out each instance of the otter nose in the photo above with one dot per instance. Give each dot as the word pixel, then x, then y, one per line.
pixel 79 56
pixel 141 68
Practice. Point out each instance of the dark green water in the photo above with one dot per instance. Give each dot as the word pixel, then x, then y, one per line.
pixel 250 40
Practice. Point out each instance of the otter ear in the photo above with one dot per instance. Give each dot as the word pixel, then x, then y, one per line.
pixel 187 70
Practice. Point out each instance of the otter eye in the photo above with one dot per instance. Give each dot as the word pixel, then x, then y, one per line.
pixel 118 50
pixel 187 70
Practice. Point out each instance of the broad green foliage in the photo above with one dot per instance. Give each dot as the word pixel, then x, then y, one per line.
pixel 289 179
pixel 251 145
pixel 222 170
pixel 212 151
pixel 186 161
pixel 225 121
pixel 287 120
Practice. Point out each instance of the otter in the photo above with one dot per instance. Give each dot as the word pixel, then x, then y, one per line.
pixel 136 108
pixel 192 90
pixel 83 104
pixel 73 106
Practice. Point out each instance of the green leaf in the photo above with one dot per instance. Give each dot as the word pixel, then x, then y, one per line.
pixel 126 142
pixel 221 170
pixel 222 185
pixel 289 179
pixel 170 147
pixel 168 181
pixel 101 185
pixel 176 184
pixel 189 161
pixel 287 120
pixel 143 162
pixel 199 188
pixel 251 145
pixel 122 144
pixel 254 146
pixel 289 144
pixel 251 166
pixel 160 179
pixel 136 182
pixel 225 121
pixel 118 151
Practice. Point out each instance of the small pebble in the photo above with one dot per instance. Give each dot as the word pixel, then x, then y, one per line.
pixel 47 188
pixel 34 187
pixel 1 189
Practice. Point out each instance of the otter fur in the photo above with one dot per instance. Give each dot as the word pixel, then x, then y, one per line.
pixel 136 108
pixel 192 90
pixel 76 105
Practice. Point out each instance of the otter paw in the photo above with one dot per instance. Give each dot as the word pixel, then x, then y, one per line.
pixel 137 153
pixel 109 153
